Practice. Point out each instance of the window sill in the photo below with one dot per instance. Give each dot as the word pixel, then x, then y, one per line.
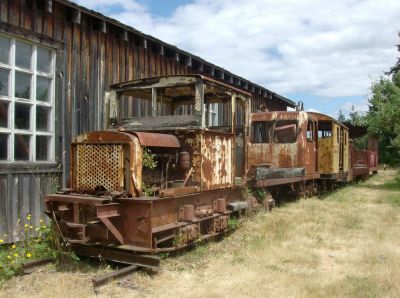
pixel 30 167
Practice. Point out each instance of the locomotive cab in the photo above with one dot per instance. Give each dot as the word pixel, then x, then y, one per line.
pixel 282 148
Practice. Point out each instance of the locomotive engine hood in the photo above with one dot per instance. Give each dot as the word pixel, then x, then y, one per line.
pixel 111 161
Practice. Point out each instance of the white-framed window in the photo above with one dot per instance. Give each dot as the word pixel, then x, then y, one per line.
pixel 213 114
pixel 27 72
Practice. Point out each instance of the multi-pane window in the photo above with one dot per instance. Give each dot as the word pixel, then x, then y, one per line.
pixel 213 114
pixel 26 101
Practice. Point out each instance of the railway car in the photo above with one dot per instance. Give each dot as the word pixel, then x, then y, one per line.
pixel 282 152
pixel 174 174
pixel 363 161
pixel 333 150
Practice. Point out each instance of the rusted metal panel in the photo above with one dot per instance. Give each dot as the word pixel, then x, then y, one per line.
pixel 284 145
pixel 66 198
pixel 178 191
pixel 363 162
pixel 99 165
pixel 217 169
pixel 142 224
pixel 157 139
pixel 99 162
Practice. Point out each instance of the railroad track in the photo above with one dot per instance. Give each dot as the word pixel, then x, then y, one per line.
pixel 132 261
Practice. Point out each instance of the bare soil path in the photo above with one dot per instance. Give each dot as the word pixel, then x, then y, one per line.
pixel 346 244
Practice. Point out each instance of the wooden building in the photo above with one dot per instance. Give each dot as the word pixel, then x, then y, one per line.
pixel 57 60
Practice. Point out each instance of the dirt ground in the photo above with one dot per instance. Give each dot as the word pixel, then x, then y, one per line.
pixel 345 244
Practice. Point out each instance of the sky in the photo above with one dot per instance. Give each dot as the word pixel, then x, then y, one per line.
pixel 325 53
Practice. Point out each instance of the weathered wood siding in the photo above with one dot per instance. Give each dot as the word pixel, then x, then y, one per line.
pixel 93 52
pixel 21 195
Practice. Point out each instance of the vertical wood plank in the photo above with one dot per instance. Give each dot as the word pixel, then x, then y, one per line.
pixel 102 80
pixel 25 188
pixel 77 79
pixel 4 197
pixel 13 203
pixel 84 76
pixel 35 198
pixel 49 20
pixel 4 10
pixel 58 18
pixel 38 20
pixel 92 57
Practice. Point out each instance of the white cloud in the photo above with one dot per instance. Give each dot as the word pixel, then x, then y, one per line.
pixel 313 110
pixel 359 107
pixel 323 48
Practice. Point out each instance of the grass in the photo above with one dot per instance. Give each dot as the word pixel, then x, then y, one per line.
pixel 345 244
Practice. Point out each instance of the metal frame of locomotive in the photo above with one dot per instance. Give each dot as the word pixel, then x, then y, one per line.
pixel 200 168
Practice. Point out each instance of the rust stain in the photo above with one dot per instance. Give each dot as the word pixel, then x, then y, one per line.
pixel 285 157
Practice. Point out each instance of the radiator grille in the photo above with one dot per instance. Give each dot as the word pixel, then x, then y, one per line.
pixel 99 165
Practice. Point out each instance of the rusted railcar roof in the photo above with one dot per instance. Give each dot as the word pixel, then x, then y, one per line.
pixel 147 139
pixel 323 117
pixel 150 139
pixel 173 80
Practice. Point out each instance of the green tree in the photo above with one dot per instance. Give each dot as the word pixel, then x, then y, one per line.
pixel 396 67
pixel 341 116
pixel 383 117
pixel 356 118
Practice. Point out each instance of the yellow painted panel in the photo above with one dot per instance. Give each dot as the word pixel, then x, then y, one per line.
pixel 346 151
pixel 335 147
pixel 325 163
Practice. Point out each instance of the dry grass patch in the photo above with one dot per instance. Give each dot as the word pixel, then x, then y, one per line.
pixel 346 244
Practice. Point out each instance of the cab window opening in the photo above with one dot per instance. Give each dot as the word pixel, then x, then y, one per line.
pixel 324 129
pixel 310 132
pixel 285 131
pixel 261 132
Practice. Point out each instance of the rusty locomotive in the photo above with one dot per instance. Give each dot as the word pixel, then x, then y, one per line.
pixel 175 174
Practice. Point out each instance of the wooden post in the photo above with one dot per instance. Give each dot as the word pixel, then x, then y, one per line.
pixel 233 145
pixel 154 102
pixel 76 17
pixel 48 6
pixel 233 113
pixel 189 61
pixel 199 102
pixel 125 35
